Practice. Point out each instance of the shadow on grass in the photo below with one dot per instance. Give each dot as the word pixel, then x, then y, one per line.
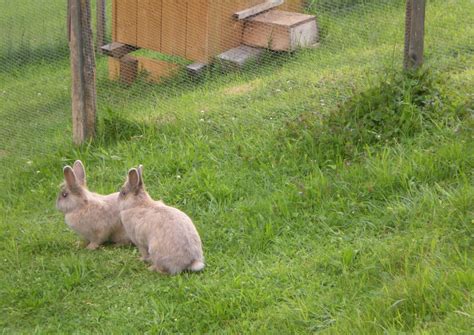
pixel 115 126
pixel 115 94
pixel 12 59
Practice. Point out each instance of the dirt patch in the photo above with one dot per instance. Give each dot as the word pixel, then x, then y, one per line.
pixel 164 119
pixel 241 89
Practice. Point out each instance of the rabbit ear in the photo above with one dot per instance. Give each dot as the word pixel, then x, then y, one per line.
pixel 134 179
pixel 70 177
pixel 80 172
pixel 140 173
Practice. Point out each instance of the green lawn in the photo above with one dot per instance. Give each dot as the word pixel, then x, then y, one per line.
pixel 309 222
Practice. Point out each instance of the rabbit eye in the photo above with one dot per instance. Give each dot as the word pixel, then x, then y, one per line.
pixel 123 193
pixel 64 194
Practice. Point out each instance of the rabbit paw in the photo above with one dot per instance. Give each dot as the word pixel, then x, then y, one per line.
pixel 158 269
pixel 92 246
pixel 145 256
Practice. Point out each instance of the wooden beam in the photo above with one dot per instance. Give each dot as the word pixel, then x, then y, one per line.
pixel 117 50
pixel 243 14
pixel 77 60
pixel 83 71
pixel 89 70
pixel 100 25
pixel 128 69
pixel 237 58
pixel 414 33
pixel 196 69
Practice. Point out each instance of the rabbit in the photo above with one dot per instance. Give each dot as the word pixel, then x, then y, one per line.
pixel 93 216
pixel 165 236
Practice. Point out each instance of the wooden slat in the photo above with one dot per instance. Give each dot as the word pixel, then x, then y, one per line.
pixel 114 20
pixel 117 49
pixel 196 69
pixel 149 24
pixel 260 8
pixel 197 31
pixel 236 58
pixel 173 32
pixel 282 18
pixel 214 31
pixel 100 24
pixel 125 21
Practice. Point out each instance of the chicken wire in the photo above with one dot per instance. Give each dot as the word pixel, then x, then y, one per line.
pixel 35 72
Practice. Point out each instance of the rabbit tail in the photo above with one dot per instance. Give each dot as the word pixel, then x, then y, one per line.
pixel 196 265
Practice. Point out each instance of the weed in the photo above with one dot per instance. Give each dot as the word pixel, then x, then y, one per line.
pixel 396 108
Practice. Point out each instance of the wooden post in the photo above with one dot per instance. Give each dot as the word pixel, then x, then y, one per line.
pixel 100 23
pixel 83 71
pixel 414 33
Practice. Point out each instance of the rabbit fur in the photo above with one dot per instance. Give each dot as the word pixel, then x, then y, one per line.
pixel 165 236
pixel 94 216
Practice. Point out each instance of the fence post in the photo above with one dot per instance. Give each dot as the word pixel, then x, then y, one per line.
pixel 100 23
pixel 414 33
pixel 83 71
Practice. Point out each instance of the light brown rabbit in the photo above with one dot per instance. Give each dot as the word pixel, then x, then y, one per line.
pixel 93 216
pixel 165 236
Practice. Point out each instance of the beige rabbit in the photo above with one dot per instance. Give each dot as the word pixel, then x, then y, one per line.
pixel 93 216
pixel 165 236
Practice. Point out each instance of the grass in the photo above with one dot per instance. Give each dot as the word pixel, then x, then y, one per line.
pixel 372 237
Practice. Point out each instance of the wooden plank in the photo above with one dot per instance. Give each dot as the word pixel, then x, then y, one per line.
pixel 214 28
pixel 236 58
pixel 114 20
pixel 128 69
pixel 414 33
pixel 157 69
pixel 196 69
pixel 173 32
pixel 282 18
pixel 83 72
pixel 280 30
pixel 269 36
pixel 125 21
pixel 258 9
pixel 100 25
pixel 149 24
pixel 197 30
pixel 117 50
pixel 114 68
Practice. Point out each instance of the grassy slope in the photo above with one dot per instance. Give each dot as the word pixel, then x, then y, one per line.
pixel 293 243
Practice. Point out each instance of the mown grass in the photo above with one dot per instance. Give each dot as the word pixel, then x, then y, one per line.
pixel 372 237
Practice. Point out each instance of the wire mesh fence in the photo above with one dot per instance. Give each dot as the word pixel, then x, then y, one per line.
pixel 164 56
